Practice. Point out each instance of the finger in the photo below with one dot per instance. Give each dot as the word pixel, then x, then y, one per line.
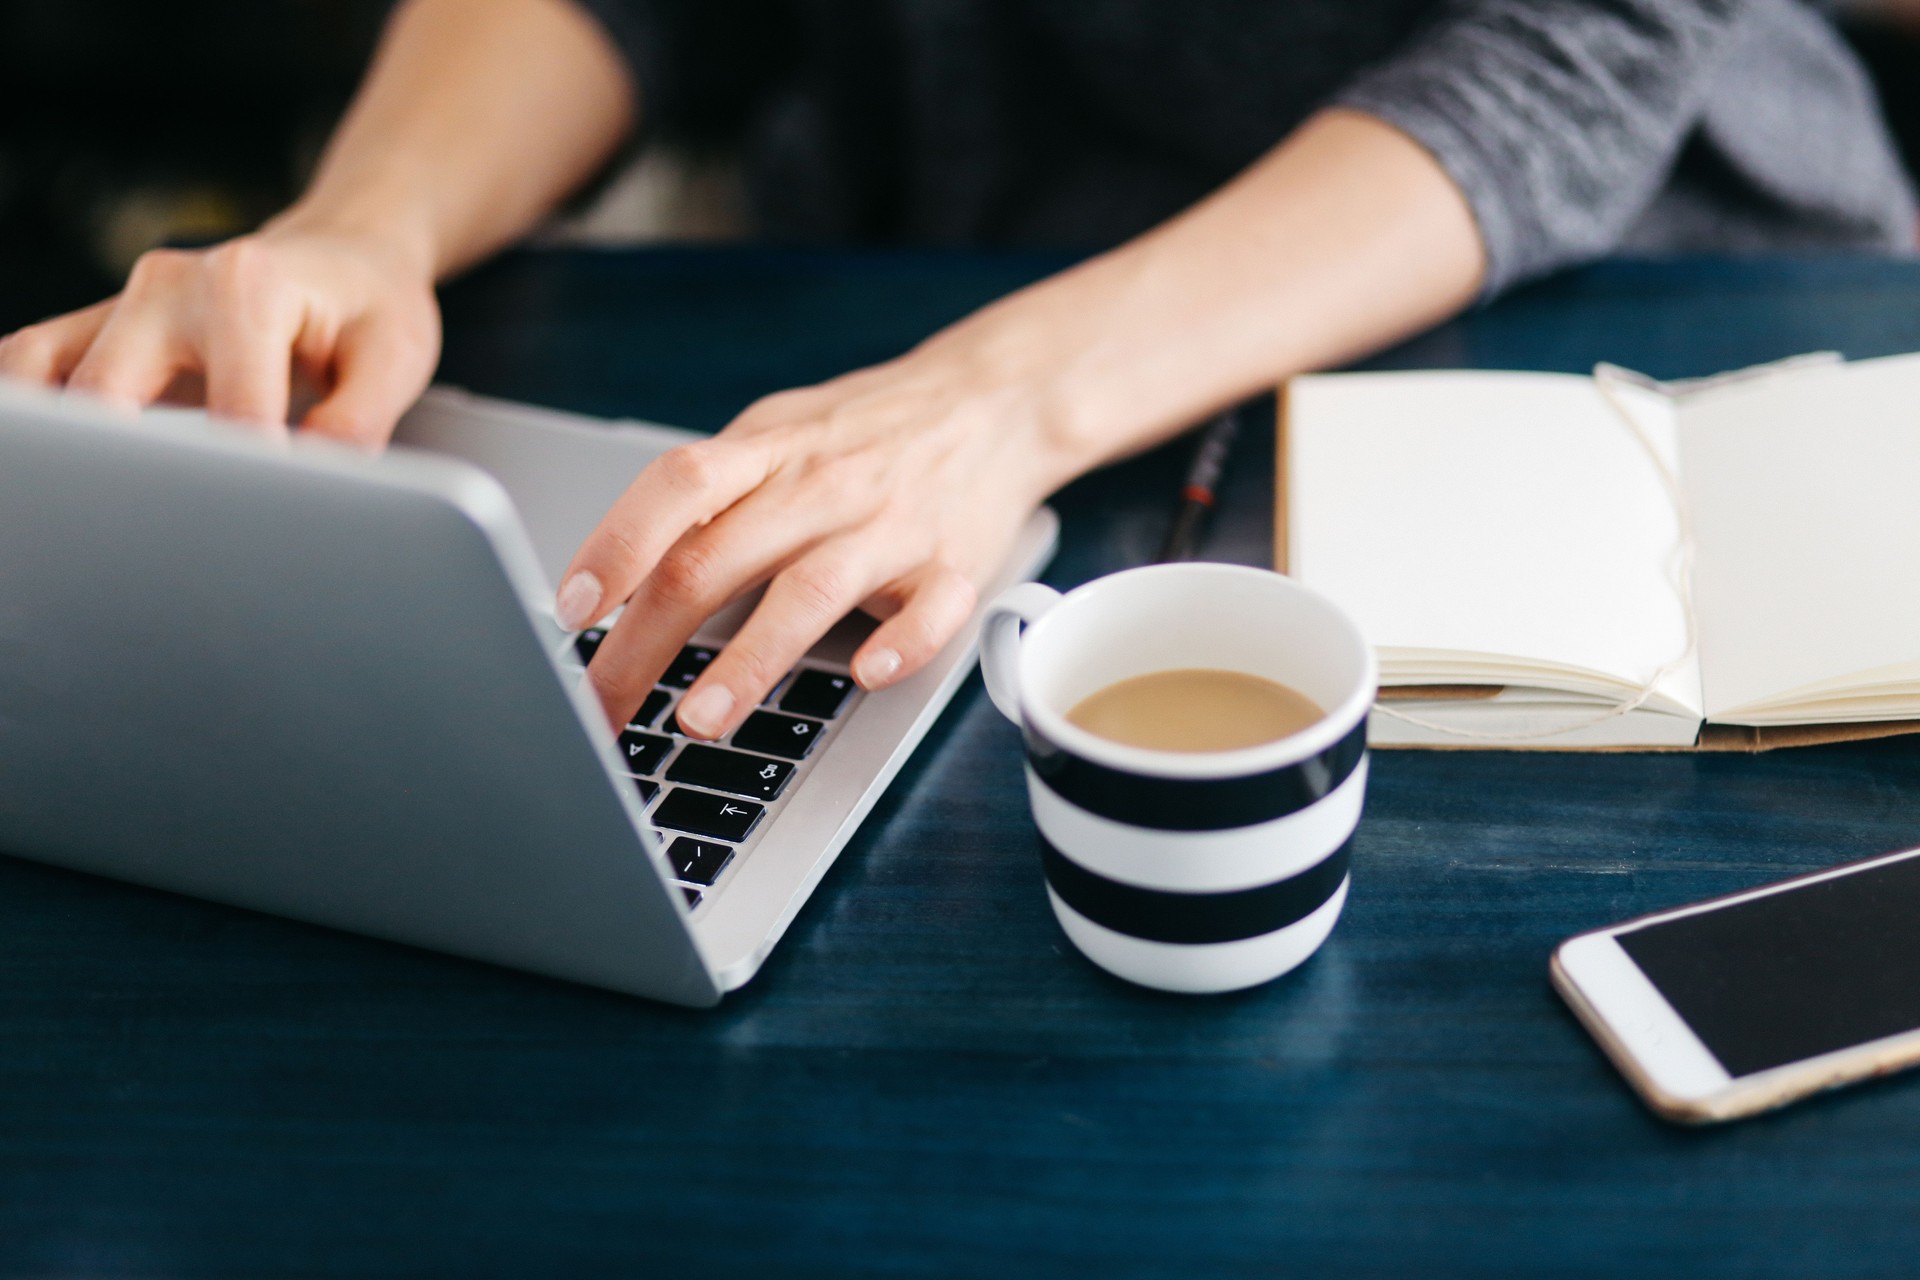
pixel 802 602
pixel 48 351
pixel 249 360
pixel 938 602
pixel 139 349
pixel 380 369
pixel 131 361
pixel 704 570
pixel 682 488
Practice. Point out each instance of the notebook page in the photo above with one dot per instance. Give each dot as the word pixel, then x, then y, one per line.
pixel 1803 489
pixel 1506 516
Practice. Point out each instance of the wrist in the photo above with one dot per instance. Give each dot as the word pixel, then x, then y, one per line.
pixel 385 226
pixel 1006 371
pixel 1089 376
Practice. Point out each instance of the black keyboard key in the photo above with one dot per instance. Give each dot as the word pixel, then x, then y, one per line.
pixel 698 861
pixel 650 710
pixel 779 687
pixel 773 734
pixel 819 694
pixel 643 752
pixel 587 643
pixel 693 896
pixel 720 770
pixel 706 814
pixel 648 790
pixel 687 667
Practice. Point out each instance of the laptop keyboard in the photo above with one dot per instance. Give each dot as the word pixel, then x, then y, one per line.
pixel 710 800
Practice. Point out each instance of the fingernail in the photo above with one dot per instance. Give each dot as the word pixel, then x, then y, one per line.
pixel 876 668
pixel 574 605
pixel 705 710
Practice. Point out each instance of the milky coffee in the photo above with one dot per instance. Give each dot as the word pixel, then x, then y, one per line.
pixel 1195 709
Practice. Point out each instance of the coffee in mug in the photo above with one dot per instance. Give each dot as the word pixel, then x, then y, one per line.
pixel 1195 709
pixel 1179 868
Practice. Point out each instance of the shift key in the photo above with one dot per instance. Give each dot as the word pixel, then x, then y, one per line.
pixel 705 814
pixel 720 770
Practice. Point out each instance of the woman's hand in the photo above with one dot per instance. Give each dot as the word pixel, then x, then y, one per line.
pixel 898 489
pixel 476 117
pixel 353 317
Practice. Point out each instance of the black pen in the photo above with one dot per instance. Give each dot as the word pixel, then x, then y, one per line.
pixel 1197 494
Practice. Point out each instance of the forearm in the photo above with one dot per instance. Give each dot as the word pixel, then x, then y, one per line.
pixel 1343 239
pixel 476 119
pixel 901 487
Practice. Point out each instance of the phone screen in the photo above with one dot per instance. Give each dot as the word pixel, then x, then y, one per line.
pixel 1793 974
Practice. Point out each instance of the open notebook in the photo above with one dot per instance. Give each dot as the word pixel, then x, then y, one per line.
pixel 1512 547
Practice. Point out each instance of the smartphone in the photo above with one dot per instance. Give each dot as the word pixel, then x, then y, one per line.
pixel 1747 1002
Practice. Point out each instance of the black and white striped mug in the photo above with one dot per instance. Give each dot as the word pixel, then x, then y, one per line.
pixel 1186 871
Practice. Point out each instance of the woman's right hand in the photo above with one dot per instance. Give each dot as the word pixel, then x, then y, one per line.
pixel 353 316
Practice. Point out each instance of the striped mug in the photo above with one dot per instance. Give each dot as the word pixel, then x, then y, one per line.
pixel 1193 872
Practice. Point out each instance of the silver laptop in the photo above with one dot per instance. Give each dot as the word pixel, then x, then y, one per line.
pixel 330 687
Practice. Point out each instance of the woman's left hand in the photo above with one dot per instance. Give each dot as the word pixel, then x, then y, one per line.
pixel 898 489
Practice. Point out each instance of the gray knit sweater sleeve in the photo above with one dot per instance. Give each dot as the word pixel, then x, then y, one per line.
pixel 1559 119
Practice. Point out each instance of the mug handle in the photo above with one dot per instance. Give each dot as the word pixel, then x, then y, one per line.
pixel 1000 641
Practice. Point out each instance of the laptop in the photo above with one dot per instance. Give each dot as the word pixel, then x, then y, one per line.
pixel 328 686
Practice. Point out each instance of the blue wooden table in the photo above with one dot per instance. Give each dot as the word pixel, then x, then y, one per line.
pixel 926 1079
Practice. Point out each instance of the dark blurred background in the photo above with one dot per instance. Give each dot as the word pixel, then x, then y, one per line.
pixel 128 123
pixel 125 123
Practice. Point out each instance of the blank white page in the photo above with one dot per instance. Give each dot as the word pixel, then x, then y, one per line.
pixel 1805 491
pixel 1512 515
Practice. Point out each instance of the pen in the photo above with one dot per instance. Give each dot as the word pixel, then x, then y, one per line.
pixel 1197 494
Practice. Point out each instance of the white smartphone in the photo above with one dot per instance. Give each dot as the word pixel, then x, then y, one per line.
pixel 1747 1002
